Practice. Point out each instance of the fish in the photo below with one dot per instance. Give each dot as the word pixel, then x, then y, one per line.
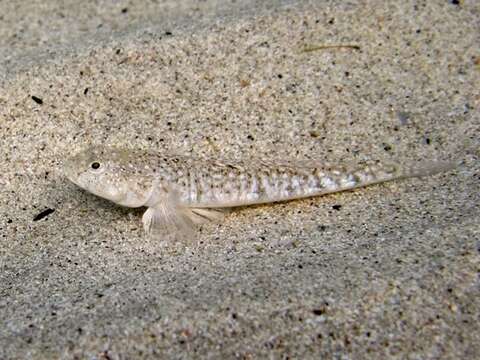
pixel 180 192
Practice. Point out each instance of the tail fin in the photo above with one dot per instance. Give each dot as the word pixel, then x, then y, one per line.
pixel 428 168
pixel 366 174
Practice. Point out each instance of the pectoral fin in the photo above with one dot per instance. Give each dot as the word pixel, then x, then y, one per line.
pixel 165 221
pixel 168 219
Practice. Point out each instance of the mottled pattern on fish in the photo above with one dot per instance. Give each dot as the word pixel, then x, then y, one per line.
pixel 225 185
pixel 180 191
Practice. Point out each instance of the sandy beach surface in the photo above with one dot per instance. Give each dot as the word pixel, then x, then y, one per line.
pixel 387 271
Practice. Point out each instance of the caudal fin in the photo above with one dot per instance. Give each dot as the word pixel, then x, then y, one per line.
pixel 428 168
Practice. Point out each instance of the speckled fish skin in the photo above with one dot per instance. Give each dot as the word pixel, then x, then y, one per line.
pixel 176 187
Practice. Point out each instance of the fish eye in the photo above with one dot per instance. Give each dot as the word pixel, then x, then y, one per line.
pixel 95 165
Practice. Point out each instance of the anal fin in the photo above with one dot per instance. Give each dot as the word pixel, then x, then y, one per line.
pixel 205 215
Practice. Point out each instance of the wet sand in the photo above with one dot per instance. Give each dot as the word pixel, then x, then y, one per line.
pixel 388 271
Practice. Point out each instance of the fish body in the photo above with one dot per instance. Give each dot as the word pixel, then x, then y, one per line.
pixel 181 191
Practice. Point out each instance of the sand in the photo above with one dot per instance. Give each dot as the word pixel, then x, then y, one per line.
pixel 388 271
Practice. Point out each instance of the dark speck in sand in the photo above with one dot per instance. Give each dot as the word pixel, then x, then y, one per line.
pixel 37 100
pixel 43 214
